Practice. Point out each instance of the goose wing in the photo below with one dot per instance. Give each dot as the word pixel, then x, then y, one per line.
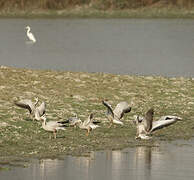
pixel 109 108
pixel 121 109
pixel 169 117
pixel 161 124
pixel 26 104
pixel 149 119
pixel 89 120
pixel 41 109
pixel 164 121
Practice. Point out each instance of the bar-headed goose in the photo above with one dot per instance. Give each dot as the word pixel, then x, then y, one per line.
pixel 115 116
pixel 52 126
pixel 88 124
pixel 146 125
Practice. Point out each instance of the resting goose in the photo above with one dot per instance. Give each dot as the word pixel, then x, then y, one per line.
pixel 73 121
pixel 115 116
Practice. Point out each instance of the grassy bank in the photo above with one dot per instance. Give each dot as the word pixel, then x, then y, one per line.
pixel 67 92
pixel 98 8
pixel 86 11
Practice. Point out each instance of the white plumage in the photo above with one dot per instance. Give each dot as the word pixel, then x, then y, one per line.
pixel 88 124
pixel 40 111
pixel 52 126
pixel 30 35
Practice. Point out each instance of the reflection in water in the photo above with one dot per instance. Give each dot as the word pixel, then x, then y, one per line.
pixel 143 157
pixel 47 166
pixel 167 161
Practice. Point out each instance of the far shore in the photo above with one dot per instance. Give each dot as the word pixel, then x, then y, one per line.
pixel 88 12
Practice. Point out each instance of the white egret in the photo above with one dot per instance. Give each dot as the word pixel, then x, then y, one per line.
pixel 30 35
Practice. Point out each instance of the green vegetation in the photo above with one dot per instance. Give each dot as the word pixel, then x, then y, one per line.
pixel 98 8
pixel 97 4
pixel 67 92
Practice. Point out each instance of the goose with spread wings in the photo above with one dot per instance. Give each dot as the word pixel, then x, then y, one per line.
pixel 88 124
pixel 115 116
pixel 27 104
pixel 146 125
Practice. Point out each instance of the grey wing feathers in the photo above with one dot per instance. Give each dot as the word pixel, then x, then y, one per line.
pixel 42 109
pixel 72 120
pixel 26 104
pixel 169 117
pixel 109 108
pixel 149 119
pixel 89 120
pixel 161 124
pixel 121 109
pixel 164 121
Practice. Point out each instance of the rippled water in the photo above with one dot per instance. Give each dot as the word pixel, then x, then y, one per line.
pixel 124 46
pixel 165 162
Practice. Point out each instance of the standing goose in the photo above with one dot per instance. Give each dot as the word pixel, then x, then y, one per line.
pixel 27 104
pixel 73 121
pixel 52 126
pixel 115 116
pixel 30 35
pixel 146 125
pixel 88 124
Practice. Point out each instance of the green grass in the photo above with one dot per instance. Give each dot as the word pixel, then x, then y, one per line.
pixel 67 92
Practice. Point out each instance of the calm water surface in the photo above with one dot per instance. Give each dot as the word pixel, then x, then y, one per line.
pixel 124 46
pixel 165 162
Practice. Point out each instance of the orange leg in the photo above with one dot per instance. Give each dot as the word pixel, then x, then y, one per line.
pixel 111 123
pixel 55 134
pixel 88 132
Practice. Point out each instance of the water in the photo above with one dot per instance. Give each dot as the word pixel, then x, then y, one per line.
pixel 167 161
pixel 122 46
